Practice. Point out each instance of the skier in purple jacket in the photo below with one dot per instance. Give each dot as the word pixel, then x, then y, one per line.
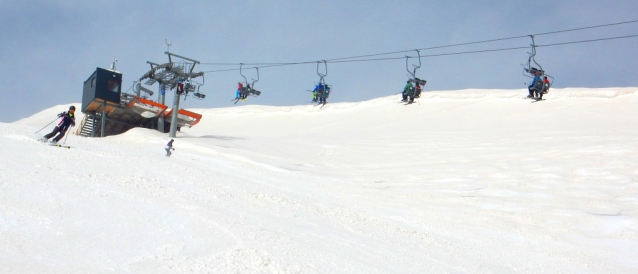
pixel 169 147
pixel 67 119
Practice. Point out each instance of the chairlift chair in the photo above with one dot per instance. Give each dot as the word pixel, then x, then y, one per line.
pixel 247 89
pixel 412 91
pixel 539 85
pixel 195 90
pixel 323 91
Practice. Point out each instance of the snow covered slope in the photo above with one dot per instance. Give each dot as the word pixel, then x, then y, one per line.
pixel 471 181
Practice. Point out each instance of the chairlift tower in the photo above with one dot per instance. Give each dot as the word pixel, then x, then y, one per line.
pixel 169 76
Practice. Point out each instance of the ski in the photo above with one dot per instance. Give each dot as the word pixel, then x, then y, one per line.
pixel 538 100
pixel 59 145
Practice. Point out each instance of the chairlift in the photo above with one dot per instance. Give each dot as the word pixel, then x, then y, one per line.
pixel 322 90
pixel 539 85
pixel 412 92
pixel 193 88
pixel 198 94
pixel 248 89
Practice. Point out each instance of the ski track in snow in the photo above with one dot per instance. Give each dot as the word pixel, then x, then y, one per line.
pixel 471 181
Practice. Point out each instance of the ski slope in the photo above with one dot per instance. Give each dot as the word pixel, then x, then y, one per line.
pixel 469 181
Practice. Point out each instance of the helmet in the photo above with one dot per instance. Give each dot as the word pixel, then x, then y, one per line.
pixel 72 107
pixel 408 81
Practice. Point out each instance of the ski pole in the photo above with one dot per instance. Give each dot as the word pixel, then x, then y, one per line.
pixel 46 126
pixel 67 135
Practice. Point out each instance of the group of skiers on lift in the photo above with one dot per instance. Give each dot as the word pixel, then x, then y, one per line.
pixel 241 95
pixel 538 86
pixel 320 93
pixel 410 92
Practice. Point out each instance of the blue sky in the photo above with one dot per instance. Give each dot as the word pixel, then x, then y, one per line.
pixel 49 48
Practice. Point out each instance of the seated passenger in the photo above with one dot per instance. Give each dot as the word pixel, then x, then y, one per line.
pixel 239 88
pixel 532 86
pixel 317 93
pixel 546 86
pixel 406 89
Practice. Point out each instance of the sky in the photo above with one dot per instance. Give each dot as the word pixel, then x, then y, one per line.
pixel 49 48
pixel 365 187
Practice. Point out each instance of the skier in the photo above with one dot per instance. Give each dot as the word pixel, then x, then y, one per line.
pixel 245 94
pixel 169 147
pixel 417 93
pixel 545 89
pixel 67 119
pixel 180 86
pixel 239 86
pixel 316 93
pixel 547 85
pixel 531 87
pixel 407 88
pixel 324 94
pixel 320 93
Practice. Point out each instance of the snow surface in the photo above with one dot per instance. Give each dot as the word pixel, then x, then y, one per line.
pixel 471 181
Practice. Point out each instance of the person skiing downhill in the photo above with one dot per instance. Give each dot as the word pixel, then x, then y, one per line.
pixel 67 119
pixel 169 147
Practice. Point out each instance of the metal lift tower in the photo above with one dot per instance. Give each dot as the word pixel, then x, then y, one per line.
pixel 169 76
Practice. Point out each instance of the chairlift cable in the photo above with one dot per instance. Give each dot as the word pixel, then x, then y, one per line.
pixel 435 47
pixel 584 28
pixel 435 55
pixel 490 40
pixel 586 41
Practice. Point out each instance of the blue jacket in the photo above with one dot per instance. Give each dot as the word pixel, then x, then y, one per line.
pixel 318 87
pixel 536 78
pixel 67 119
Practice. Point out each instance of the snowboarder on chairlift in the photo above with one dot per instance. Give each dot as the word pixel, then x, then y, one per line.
pixel 67 119
pixel 169 147
pixel 407 88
